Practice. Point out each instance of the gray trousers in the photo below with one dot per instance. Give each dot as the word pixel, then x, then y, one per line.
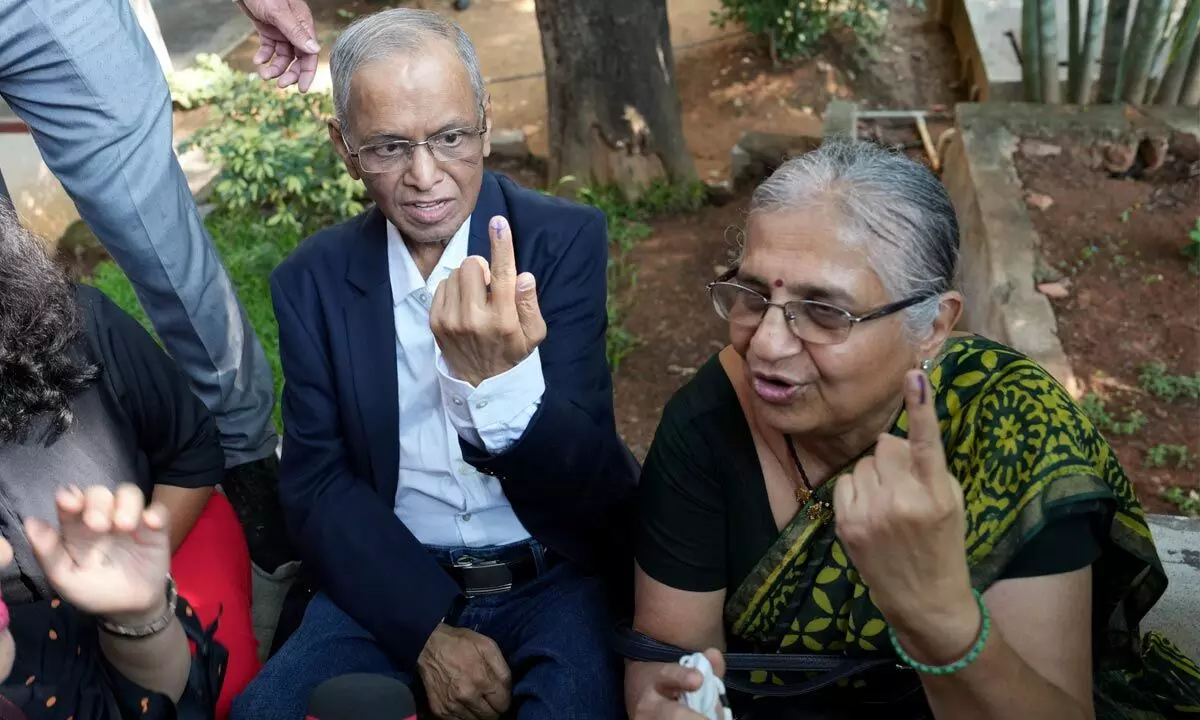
pixel 84 78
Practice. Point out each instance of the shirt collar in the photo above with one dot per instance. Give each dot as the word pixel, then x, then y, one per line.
pixel 402 269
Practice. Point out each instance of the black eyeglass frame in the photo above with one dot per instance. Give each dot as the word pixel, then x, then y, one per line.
pixel 791 315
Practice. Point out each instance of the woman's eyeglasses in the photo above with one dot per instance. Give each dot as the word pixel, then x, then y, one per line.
pixel 810 320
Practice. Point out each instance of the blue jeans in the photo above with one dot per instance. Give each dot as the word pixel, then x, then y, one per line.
pixel 84 78
pixel 554 633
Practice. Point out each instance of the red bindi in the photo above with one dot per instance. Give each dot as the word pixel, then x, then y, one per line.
pixel 778 283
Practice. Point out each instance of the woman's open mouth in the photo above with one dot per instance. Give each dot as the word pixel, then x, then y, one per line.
pixel 773 390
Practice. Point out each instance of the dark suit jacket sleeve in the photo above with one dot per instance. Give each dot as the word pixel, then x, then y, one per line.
pixel 570 457
pixel 366 559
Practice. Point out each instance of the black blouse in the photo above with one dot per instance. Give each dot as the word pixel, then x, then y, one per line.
pixel 139 422
pixel 60 672
pixel 704 513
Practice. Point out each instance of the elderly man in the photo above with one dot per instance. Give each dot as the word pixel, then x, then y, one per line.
pixel 450 459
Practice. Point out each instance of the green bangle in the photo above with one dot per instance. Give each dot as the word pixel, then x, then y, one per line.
pixel 984 630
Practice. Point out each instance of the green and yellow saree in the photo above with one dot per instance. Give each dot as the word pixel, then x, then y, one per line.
pixel 1026 456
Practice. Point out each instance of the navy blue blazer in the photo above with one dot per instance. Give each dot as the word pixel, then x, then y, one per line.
pixel 340 466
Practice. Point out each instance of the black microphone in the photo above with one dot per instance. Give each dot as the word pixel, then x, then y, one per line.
pixel 362 697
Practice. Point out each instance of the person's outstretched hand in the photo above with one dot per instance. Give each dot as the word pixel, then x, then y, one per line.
pixel 111 554
pixel 287 41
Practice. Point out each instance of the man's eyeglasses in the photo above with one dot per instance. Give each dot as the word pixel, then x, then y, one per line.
pixel 446 146
pixel 810 320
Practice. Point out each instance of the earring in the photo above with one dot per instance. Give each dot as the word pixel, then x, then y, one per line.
pixel 926 365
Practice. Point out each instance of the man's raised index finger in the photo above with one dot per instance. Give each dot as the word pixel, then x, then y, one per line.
pixel 504 261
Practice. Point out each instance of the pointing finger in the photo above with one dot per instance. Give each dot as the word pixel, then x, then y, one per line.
pixel 504 261
pixel 924 435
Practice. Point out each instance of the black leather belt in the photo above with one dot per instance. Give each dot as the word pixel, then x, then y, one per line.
pixel 489 577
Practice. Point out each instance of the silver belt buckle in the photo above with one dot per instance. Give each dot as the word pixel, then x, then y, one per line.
pixel 466 562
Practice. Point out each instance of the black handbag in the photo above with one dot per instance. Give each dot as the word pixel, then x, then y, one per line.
pixel 772 701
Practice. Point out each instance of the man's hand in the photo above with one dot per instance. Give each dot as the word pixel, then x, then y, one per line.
pixel 286 39
pixel 483 334
pixel 464 674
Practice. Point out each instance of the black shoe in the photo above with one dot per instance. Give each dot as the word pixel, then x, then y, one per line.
pixel 253 490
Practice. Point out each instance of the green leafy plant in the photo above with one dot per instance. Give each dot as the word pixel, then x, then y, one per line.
pixel 1154 379
pixel 1166 456
pixel 1192 249
pixel 1094 408
pixel 793 29
pixel 1188 501
pixel 275 156
pixel 209 78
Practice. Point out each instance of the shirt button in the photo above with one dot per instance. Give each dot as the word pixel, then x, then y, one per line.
pixel 424 296
pixel 481 404
pixel 466 517
pixel 458 401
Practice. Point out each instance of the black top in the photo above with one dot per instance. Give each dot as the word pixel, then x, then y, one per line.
pixel 59 671
pixel 139 422
pixel 705 518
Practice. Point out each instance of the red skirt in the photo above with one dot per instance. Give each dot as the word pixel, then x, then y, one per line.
pixel 212 570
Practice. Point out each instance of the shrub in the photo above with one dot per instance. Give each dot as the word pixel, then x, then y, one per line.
pixel 208 79
pixel 793 28
pixel 275 156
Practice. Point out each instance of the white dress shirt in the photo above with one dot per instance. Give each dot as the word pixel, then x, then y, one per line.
pixel 440 498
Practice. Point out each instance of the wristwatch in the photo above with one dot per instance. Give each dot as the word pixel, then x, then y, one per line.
pixel 155 626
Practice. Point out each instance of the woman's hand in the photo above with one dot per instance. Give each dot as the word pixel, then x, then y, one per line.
pixel 900 517
pixel 111 554
pixel 660 698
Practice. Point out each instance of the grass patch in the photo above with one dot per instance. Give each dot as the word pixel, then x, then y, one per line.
pixel 1155 380
pixel 1188 501
pixel 1170 456
pixel 1094 407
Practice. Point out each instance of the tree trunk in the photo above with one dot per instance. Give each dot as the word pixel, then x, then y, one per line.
pixel 1048 48
pixel 610 85
pixel 1081 94
pixel 1030 54
pixel 1181 52
pixel 1111 59
pixel 1074 54
pixel 1144 37
pixel 1190 95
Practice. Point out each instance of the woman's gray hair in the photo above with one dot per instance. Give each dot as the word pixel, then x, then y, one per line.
pixel 893 208
pixel 391 32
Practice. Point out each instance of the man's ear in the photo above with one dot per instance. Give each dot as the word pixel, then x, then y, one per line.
pixel 487 125
pixel 948 315
pixel 341 147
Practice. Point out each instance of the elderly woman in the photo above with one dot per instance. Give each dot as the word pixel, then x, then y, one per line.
pixel 853 479
pixel 88 398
